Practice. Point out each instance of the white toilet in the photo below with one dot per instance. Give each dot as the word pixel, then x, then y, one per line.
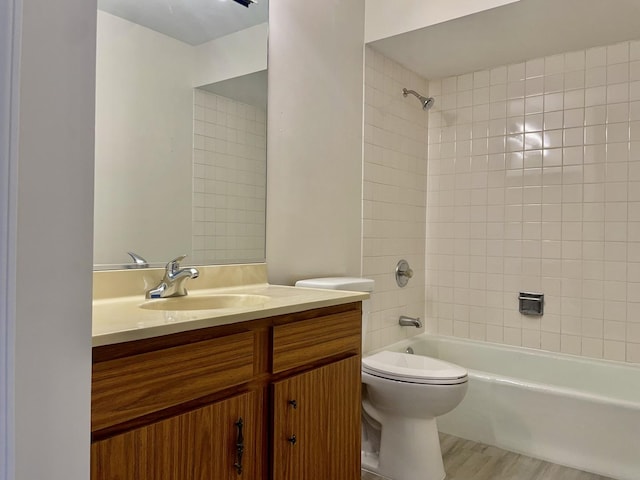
pixel 401 397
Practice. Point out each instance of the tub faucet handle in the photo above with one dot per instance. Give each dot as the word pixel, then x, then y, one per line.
pixel 403 273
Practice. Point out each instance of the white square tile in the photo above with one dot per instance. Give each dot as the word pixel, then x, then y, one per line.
pixel 592 347
pixel 595 115
pixel 516 72
pixel 577 98
pixel 596 57
pixel 598 95
pixel 554 64
pixel 535 86
pixel 618 112
pixel 449 85
pixel 515 90
pixel 618 53
pixel 481 79
pixel 465 82
pixel 554 120
pixel 634 71
pixel 535 68
pixel 550 341
pixel 498 75
pixel 634 91
pixel 498 93
pixel 556 101
pixel 481 95
pixel 594 173
pixel 634 51
pixel 574 118
pixel 596 134
pixel 534 104
pixel 616 93
pixel 570 344
pixel 576 136
pixel 596 77
pixel 614 350
pixel 618 152
pixel 574 61
pixel 618 73
pixel 574 80
pixel 634 132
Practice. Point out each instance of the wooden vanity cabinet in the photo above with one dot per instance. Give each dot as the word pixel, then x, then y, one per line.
pixel 200 444
pixel 316 423
pixel 169 408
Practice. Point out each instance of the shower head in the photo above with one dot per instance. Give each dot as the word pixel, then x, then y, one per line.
pixel 245 3
pixel 427 102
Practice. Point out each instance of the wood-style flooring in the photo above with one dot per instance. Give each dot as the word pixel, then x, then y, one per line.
pixel 467 460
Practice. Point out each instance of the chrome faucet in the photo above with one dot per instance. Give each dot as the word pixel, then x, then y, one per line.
pixel 138 261
pixel 405 321
pixel 172 284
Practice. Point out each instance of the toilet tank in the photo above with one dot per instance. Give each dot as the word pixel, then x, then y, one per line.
pixel 352 284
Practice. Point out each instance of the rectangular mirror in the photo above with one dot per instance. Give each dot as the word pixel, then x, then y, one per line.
pixel 181 90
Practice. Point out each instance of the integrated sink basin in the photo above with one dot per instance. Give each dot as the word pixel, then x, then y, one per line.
pixel 205 302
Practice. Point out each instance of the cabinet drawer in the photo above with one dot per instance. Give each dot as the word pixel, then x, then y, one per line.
pixel 130 387
pixel 306 341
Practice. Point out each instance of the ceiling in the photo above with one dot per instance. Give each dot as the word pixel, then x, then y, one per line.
pixel 513 33
pixel 190 21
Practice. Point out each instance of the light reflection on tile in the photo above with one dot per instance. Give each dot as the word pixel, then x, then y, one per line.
pixel 558 139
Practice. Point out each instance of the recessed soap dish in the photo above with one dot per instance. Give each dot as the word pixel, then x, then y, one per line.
pixel 531 303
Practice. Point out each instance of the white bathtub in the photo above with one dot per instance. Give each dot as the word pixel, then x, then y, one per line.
pixel 569 410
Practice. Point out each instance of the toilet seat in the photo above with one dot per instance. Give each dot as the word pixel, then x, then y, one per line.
pixel 404 367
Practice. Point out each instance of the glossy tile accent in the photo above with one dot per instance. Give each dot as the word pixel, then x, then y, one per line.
pixel 543 195
pixel 466 460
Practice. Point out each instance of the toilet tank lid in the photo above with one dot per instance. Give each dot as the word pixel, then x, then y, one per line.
pixel 353 284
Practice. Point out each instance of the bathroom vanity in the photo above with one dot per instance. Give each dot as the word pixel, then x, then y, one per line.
pixel 275 396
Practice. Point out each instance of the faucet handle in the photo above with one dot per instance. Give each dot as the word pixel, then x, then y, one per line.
pixel 174 264
pixel 403 273
pixel 138 261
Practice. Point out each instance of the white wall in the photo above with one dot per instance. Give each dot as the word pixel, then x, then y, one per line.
pixel 314 141
pixel 54 240
pixel 534 185
pixel 395 192
pixel 144 125
pixel 231 56
pixel 385 19
pixel 9 51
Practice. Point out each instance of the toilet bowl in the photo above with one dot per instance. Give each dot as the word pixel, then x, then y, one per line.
pixel 402 396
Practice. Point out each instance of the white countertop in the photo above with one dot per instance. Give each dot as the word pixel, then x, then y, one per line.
pixel 121 319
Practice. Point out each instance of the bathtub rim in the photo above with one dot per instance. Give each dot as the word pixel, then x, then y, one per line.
pixel 547 388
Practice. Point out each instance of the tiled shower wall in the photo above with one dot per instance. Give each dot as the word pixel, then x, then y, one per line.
pixel 229 180
pixel 534 184
pixel 395 167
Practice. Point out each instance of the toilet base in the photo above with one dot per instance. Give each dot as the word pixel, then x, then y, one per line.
pixel 409 450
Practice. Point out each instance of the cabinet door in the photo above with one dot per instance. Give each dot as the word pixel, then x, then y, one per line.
pixel 317 424
pixel 198 445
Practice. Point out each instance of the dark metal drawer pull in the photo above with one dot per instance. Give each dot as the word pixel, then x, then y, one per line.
pixel 239 447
